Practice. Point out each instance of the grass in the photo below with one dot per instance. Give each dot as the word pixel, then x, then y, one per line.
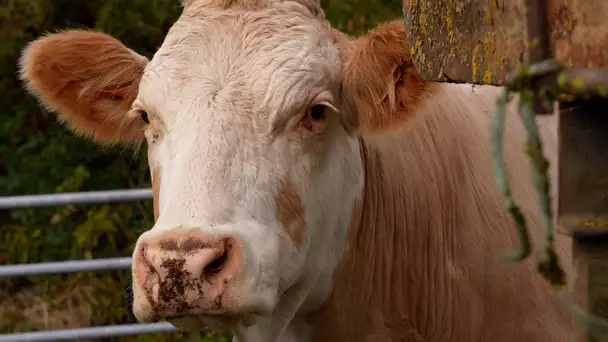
pixel 75 301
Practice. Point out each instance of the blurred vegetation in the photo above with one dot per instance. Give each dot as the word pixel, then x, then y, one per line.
pixel 39 156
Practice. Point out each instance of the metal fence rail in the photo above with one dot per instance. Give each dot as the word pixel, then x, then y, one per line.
pixel 64 267
pixel 74 266
pixel 74 198
pixel 90 333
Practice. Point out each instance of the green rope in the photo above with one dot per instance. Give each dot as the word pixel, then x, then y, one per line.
pixel 521 82
pixel 524 248
pixel 548 264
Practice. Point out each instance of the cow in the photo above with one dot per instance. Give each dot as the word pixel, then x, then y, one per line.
pixel 308 185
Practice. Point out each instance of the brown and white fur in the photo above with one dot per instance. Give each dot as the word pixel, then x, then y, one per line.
pixel 345 198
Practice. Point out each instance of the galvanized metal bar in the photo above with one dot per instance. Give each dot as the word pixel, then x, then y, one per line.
pixel 75 198
pixel 90 333
pixel 64 267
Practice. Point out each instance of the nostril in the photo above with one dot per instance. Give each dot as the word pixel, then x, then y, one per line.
pixel 221 261
pixel 216 265
pixel 222 265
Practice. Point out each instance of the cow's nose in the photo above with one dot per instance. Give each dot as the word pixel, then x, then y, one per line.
pixel 186 271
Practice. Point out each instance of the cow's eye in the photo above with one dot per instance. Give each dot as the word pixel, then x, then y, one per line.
pixel 317 112
pixel 144 116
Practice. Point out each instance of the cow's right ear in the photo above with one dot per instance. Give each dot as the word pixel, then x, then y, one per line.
pixel 380 80
pixel 90 79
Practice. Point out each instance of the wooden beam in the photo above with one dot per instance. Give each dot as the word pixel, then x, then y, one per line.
pixel 481 41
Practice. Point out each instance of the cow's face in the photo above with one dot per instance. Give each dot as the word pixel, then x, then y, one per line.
pixel 252 146
pixel 255 168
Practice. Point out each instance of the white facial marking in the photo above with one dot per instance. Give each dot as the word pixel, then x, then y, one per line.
pixel 226 96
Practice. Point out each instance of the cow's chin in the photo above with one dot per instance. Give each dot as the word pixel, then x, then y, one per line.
pixel 197 323
pixel 237 315
pixel 242 309
pixel 228 318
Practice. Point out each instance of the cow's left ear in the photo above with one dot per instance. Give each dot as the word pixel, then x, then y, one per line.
pixel 380 80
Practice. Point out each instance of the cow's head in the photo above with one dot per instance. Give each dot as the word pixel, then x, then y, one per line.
pixel 252 112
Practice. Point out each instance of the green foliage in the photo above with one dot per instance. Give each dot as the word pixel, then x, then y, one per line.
pixel 358 16
pixel 39 156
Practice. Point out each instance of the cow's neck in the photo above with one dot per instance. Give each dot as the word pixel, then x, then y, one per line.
pixel 418 182
pixel 379 261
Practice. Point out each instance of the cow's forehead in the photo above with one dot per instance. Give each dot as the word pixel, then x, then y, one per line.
pixel 270 62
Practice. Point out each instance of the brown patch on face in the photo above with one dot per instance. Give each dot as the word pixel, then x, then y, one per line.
pixel 290 212
pixel 155 190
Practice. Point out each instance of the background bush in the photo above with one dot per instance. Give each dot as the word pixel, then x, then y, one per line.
pixel 39 156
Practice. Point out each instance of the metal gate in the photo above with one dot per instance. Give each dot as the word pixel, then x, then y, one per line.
pixel 74 266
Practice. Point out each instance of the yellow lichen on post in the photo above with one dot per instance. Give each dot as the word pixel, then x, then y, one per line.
pixel 577 31
pixel 450 24
pixel 487 77
pixel 489 45
pixel 476 61
pixel 489 19
pixel 592 223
